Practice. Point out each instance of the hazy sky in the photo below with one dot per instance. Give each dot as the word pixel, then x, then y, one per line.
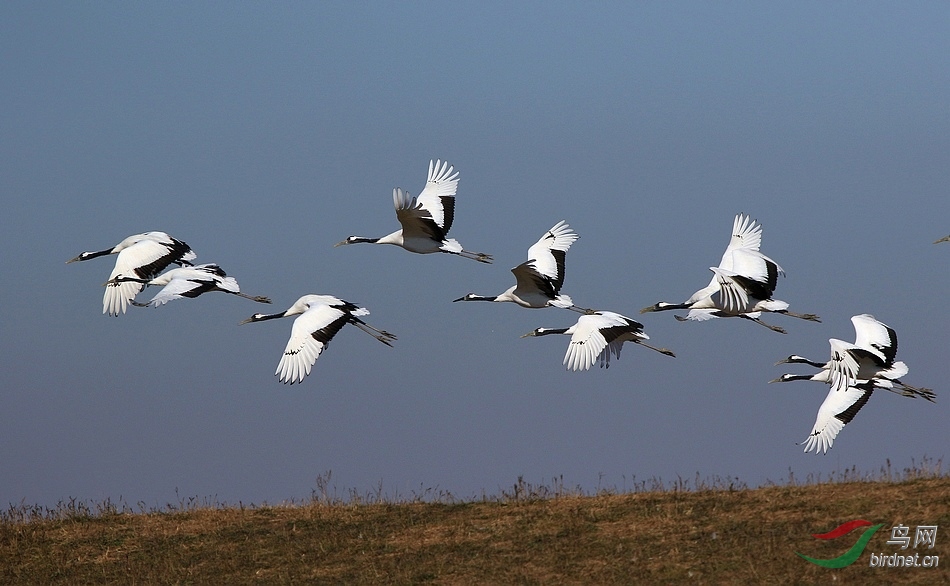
pixel 262 134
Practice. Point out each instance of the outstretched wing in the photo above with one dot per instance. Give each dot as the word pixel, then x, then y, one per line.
pixel 875 336
pixel 178 288
pixel 597 336
pixel 838 409
pixel 746 235
pixel 742 256
pixel 846 362
pixel 529 279
pixel 732 294
pixel 587 343
pixel 416 221
pixel 438 196
pixel 549 252
pixel 310 334
pixel 144 259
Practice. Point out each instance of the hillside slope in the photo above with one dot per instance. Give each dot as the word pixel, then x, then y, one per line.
pixel 705 536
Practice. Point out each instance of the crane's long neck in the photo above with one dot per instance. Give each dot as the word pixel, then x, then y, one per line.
pixel 264 317
pixel 474 297
pixel 361 240
pixel 664 306
pixel 88 255
pixel 803 360
pixel 546 331
pixel 793 377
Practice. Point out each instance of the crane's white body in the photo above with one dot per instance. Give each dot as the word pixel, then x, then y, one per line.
pixel 596 336
pixel 320 318
pixel 142 256
pixel 538 280
pixel 191 282
pixel 426 218
pixel 741 286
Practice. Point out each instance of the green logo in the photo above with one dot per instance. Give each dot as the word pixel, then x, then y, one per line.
pixel 850 556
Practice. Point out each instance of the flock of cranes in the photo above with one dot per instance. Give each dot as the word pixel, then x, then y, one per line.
pixel 741 286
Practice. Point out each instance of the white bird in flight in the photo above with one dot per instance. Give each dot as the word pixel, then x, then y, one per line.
pixel 321 317
pixel 188 282
pixel 427 218
pixel 871 358
pixel 742 284
pixel 539 279
pixel 840 406
pixel 596 336
pixel 143 256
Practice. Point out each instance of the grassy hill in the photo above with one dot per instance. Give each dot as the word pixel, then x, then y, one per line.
pixel 529 535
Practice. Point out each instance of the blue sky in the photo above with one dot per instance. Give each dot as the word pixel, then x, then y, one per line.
pixel 263 134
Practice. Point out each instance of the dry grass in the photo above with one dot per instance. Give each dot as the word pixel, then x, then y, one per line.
pixel 710 532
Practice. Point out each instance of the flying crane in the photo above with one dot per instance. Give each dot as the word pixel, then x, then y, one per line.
pixel 742 284
pixel 320 318
pixel 143 256
pixel 427 218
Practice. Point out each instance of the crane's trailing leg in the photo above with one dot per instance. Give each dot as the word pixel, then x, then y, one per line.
pixel 666 351
pixel 762 323
pixel 806 316
pixel 381 335
pixel 479 256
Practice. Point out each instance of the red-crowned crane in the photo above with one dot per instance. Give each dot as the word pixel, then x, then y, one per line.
pixel 142 256
pixel 427 218
pixel 539 279
pixel 321 317
pixel 596 336
pixel 742 284
pixel 853 373
pixel 188 282
pixel 871 358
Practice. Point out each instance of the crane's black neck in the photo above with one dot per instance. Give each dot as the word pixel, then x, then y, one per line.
pixel 474 297
pixel 88 255
pixel 265 317
pixel 546 331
